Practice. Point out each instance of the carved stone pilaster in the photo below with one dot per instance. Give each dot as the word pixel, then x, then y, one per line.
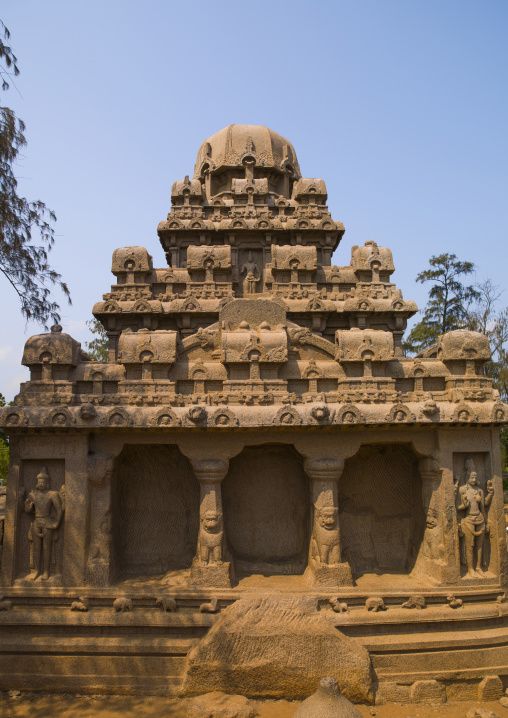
pixel 326 567
pixel 212 565
pixel 434 556
pixel 99 563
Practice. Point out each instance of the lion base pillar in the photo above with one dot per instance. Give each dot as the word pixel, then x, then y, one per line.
pixel 325 566
pixel 211 566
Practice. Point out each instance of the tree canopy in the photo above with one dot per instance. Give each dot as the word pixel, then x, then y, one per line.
pixel 448 303
pixel 97 349
pixel 26 226
pixel 453 305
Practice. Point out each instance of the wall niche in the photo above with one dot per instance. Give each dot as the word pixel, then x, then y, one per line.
pixel 267 510
pixel 155 511
pixel 381 509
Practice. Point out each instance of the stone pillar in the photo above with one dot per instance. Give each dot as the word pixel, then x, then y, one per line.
pixel 498 535
pixel 13 509
pixel 76 505
pixel 99 559
pixel 212 565
pixel 326 567
pixel 437 559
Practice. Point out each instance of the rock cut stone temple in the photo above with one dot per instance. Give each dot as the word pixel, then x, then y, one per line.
pixel 256 458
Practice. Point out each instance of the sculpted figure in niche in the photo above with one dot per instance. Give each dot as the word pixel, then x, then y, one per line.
pixel 210 539
pixel 325 548
pixel 474 525
pixel 46 505
pixel 252 274
pixel 209 270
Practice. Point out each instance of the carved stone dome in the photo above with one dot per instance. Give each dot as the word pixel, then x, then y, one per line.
pixel 236 144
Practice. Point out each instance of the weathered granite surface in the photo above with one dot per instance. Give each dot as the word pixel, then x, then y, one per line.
pixel 255 428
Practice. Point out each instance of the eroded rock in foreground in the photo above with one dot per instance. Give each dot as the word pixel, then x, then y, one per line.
pixel 277 647
pixel 327 702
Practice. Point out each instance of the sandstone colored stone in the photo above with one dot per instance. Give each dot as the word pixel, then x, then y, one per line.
pixel 427 692
pixel 490 688
pixel 481 713
pixel 393 692
pixel 255 428
pixel 327 702
pixel 504 701
pixel 276 646
pixel 220 705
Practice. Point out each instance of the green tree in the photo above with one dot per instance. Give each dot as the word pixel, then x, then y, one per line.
pixel 483 316
pixel 24 259
pixel 97 349
pixel 448 303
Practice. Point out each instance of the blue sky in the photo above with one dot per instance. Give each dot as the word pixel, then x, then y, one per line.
pixel 400 106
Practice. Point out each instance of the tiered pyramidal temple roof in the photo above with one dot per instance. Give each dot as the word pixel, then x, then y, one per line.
pixel 250 311
pixel 257 455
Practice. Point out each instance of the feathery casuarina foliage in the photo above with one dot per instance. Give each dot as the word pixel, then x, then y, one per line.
pixel 448 302
pixel 23 257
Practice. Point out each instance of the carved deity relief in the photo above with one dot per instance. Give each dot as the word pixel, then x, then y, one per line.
pixel 325 541
pixel 434 543
pixel 252 275
pixel 48 508
pixel 211 548
pixel 101 543
pixel 474 524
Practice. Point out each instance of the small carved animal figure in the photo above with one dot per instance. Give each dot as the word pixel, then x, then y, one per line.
pixel 121 605
pixel 338 606
pixel 5 605
pixel 211 607
pixel 210 539
pixel 166 603
pixel 374 604
pixel 82 604
pixel 454 602
pixel 417 602
pixel 325 536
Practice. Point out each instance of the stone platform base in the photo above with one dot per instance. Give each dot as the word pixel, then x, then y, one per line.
pixel 213 575
pixel 333 576
pixel 438 653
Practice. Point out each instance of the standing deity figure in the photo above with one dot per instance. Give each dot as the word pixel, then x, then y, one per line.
pixel 209 270
pixel 252 275
pixel 46 505
pixel 474 525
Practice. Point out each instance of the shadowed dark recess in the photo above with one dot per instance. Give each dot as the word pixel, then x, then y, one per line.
pixel 155 510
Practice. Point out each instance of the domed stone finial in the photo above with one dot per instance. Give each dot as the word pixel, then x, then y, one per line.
pixel 56 329
pixel 327 702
